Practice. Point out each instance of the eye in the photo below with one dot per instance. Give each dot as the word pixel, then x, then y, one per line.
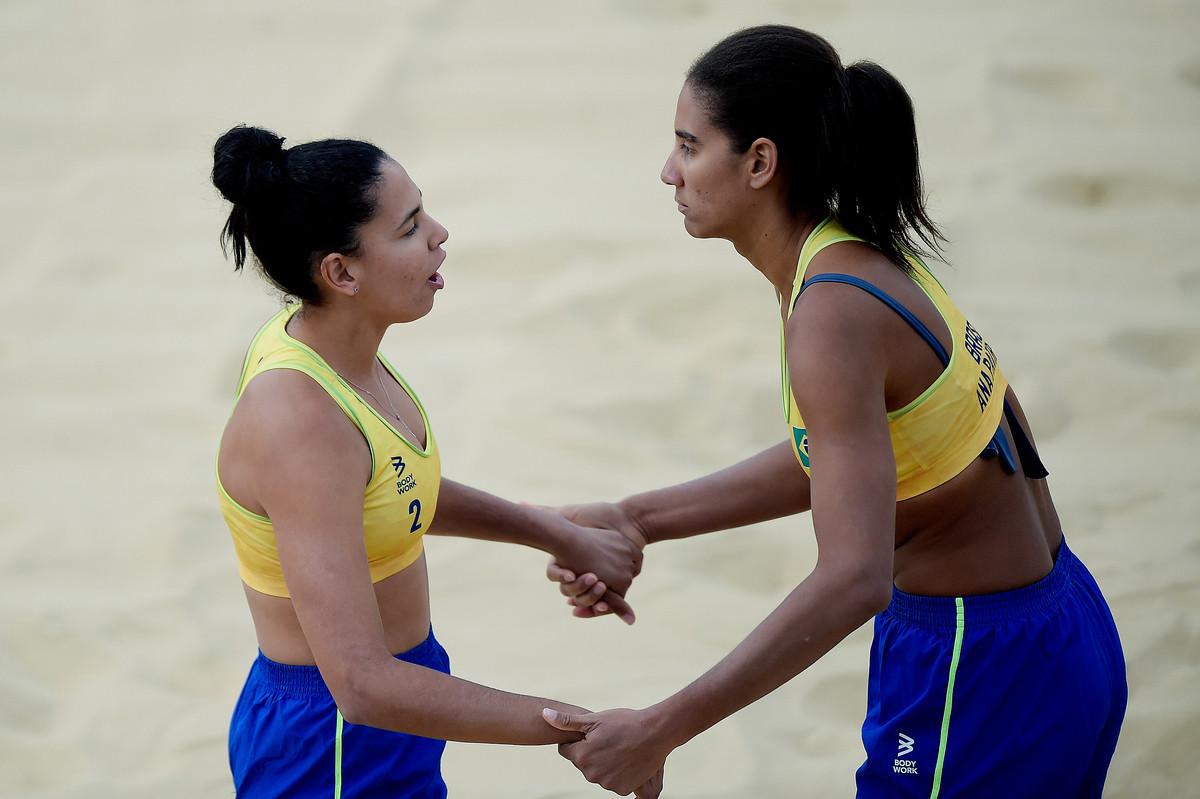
pixel 686 148
pixel 412 232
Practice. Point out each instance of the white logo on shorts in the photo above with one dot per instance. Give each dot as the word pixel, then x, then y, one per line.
pixel 904 747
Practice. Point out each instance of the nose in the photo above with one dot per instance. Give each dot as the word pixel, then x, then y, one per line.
pixel 440 235
pixel 670 174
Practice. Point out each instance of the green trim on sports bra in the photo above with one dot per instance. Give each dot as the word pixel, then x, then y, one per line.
pixel 424 453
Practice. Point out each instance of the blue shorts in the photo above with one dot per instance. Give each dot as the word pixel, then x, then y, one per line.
pixel 1015 694
pixel 287 739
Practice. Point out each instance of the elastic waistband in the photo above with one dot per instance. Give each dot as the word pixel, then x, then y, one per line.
pixel 294 680
pixel 941 612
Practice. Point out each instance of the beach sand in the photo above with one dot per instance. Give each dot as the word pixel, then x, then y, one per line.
pixel 585 347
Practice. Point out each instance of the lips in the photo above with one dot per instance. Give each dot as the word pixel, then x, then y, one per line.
pixel 436 280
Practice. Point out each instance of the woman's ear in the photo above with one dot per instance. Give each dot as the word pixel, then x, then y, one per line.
pixel 337 275
pixel 763 160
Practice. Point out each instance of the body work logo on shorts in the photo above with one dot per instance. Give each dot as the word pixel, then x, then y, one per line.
pixel 800 437
pixel 903 747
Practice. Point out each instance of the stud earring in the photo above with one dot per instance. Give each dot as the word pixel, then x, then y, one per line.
pixel 356 289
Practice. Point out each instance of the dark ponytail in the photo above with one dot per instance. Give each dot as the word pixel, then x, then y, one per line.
pixel 294 206
pixel 879 190
pixel 846 137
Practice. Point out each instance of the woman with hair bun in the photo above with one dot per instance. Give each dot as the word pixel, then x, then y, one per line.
pixel 329 477
pixel 996 669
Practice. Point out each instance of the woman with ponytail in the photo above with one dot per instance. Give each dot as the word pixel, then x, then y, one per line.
pixel 996 670
pixel 329 478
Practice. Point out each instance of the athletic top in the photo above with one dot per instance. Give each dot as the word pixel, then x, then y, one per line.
pixel 400 499
pixel 957 418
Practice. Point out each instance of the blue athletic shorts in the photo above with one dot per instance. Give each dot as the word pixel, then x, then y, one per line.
pixel 1012 695
pixel 287 739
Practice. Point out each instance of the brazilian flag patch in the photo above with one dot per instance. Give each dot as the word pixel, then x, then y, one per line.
pixel 800 437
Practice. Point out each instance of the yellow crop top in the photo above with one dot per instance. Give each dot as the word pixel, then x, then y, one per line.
pixel 952 422
pixel 400 499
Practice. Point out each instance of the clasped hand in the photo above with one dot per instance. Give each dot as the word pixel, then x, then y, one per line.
pixel 589 590
pixel 620 750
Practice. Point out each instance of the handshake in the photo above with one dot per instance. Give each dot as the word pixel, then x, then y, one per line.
pixel 621 750
pixel 595 569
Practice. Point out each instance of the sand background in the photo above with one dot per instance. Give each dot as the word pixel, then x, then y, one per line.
pixel 585 347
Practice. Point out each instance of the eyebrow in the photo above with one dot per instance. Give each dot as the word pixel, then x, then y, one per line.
pixel 683 134
pixel 408 218
pixel 413 212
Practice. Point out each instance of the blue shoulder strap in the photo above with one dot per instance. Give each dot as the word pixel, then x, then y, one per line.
pixel 1031 464
pixel 888 300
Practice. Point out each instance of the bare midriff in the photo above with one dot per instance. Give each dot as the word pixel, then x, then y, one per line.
pixel 403 608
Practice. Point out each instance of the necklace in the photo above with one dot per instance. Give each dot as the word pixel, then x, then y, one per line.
pixel 390 406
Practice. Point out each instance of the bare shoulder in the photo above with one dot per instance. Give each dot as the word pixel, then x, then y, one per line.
pixel 859 259
pixel 284 409
pixel 839 331
pixel 836 344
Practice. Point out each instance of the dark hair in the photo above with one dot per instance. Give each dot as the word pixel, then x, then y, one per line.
pixel 296 205
pixel 846 136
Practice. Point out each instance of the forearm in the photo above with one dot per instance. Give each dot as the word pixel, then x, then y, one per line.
pixel 819 613
pixel 766 486
pixel 400 696
pixel 470 513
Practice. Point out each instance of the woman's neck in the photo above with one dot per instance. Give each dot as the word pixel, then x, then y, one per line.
pixel 347 342
pixel 772 244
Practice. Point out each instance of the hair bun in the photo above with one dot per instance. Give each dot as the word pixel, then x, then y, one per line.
pixel 247 161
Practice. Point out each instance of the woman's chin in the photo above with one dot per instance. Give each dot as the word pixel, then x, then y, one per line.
pixel 697 230
pixel 412 313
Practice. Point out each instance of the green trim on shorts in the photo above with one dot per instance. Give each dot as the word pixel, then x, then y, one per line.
pixel 959 626
pixel 337 758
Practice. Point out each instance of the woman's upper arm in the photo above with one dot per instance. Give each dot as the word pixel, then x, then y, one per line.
pixel 311 468
pixel 836 352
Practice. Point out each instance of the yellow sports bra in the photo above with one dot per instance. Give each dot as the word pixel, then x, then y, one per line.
pixel 400 499
pixel 951 423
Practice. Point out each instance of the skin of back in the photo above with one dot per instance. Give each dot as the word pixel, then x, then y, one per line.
pixel 981 532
